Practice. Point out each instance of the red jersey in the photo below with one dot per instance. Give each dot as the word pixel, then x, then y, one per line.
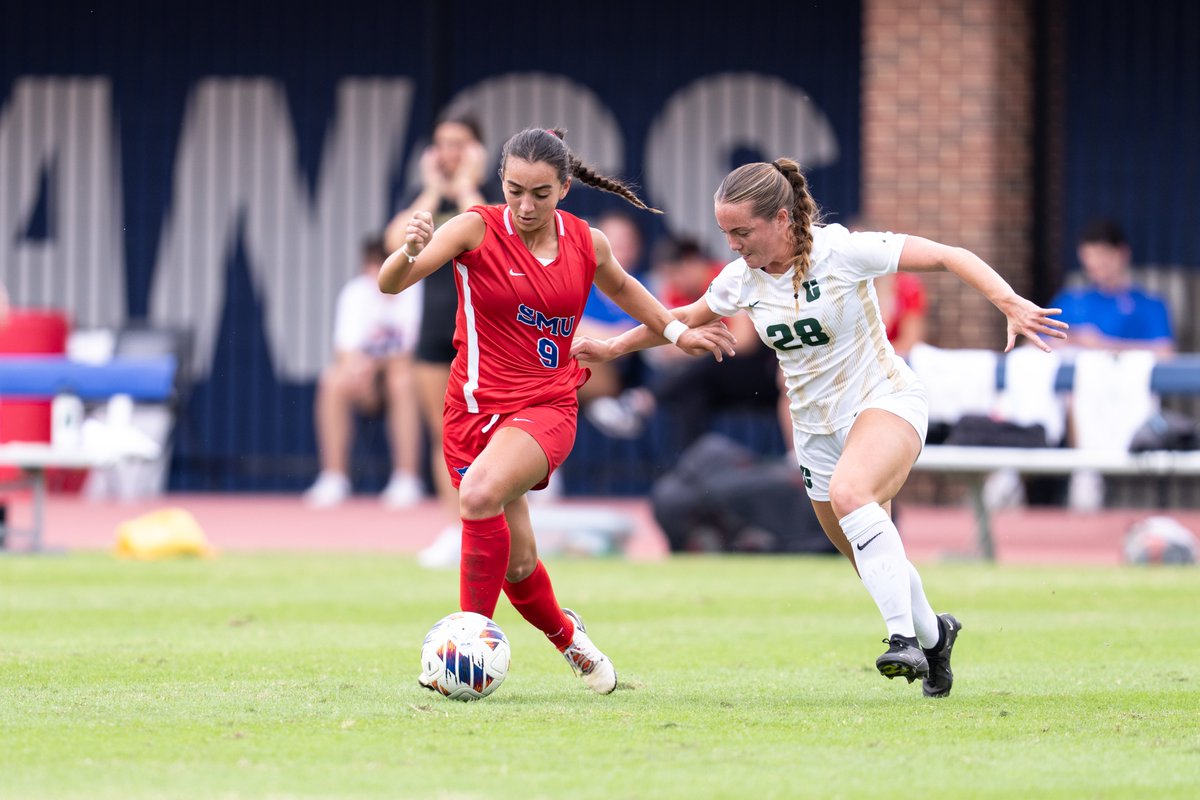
pixel 517 317
pixel 908 299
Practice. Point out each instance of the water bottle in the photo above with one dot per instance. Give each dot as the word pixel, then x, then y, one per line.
pixel 66 421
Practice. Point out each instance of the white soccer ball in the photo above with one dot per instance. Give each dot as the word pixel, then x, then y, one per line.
pixel 465 656
pixel 1160 540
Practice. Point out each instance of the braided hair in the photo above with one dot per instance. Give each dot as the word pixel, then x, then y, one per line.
pixel 540 145
pixel 768 188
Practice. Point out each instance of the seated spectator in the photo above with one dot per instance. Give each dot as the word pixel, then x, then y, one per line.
pixel 688 390
pixel 371 370
pixel 1110 312
pixel 602 318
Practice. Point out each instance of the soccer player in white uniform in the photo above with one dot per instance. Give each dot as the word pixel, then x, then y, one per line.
pixel 859 414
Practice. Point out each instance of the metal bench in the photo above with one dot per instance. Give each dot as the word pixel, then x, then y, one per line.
pixel 976 463
pixel 149 379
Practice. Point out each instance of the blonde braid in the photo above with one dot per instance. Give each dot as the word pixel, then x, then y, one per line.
pixel 804 214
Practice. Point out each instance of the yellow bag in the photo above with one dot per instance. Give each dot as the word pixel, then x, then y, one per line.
pixel 167 533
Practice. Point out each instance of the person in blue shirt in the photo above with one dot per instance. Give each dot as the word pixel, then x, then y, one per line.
pixel 1110 312
pixel 603 318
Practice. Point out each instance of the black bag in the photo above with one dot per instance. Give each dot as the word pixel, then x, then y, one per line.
pixel 722 497
pixel 980 431
pixel 1166 430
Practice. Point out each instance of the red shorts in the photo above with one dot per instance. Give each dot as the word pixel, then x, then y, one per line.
pixel 464 435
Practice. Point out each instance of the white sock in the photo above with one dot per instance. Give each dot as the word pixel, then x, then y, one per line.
pixel 879 554
pixel 924 620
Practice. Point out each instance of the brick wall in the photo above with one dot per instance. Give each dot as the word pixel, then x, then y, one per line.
pixel 947 143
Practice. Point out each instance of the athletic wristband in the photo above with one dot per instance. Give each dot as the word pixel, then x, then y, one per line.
pixel 674 330
pixel 411 258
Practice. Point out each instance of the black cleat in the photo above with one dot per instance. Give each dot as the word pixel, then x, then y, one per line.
pixel 903 659
pixel 940 678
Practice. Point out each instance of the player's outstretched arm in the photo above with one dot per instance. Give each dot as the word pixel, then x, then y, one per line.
pixel 694 337
pixel 705 334
pixel 1025 318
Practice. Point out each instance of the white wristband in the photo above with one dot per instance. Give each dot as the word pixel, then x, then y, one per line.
pixel 674 330
pixel 411 258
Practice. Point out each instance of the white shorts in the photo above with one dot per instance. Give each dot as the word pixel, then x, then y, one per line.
pixel 818 453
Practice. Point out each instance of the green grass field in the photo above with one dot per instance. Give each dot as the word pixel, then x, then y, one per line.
pixel 294 676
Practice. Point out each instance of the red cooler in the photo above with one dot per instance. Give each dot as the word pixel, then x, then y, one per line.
pixel 29 331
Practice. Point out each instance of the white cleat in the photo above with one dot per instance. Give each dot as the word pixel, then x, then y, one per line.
pixel 444 552
pixel 330 489
pixel 588 662
pixel 402 491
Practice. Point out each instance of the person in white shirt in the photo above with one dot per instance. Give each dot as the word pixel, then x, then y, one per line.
pixel 374 335
pixel 859 414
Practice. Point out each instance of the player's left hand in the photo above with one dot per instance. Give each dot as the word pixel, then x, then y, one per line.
pixel 1030 320
pixel 713 338
pixel 587 349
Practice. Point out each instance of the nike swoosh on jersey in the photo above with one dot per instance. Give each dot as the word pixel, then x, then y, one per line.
pixel 515 274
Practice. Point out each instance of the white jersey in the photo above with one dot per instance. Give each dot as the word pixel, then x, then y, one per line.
pixel 834 350
pixel 376 323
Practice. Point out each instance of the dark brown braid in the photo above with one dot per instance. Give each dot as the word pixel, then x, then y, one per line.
pixel 540 145
pixel 768 188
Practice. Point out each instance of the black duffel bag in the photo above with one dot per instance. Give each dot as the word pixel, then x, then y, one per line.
pixel 723 497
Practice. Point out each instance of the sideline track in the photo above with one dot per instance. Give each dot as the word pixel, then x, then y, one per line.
pixel 275 522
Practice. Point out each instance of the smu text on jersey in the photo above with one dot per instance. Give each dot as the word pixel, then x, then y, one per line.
pixel 555 326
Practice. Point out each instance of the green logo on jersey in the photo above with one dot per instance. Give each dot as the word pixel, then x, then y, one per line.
pixel 811 291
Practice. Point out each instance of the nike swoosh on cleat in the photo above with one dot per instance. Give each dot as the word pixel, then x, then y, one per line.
pixel 515 273
pixel 861 545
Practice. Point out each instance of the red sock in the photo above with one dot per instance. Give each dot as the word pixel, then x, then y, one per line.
pixel 485 548
pixel 534 599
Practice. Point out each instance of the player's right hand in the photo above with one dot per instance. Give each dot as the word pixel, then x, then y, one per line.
pixel 418 233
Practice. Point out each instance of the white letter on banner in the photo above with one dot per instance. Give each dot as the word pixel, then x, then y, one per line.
pixel 237 167
pixel 509 103
pixel 62 128
pixel 690 143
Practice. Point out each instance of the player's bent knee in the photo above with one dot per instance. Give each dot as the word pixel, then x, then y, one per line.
pixel 846 496
pixel 520 567
pixel 479 500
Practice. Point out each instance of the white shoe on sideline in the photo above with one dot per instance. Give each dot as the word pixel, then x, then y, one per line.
pixel 403 490
pixel 444 552
pixel 1085 492
pixel 1003 489
pixel 330 489
pixel 588 662
pixel 621 417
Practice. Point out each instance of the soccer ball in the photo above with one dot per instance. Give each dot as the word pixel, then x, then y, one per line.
pixel 465 656
pixel 1159 540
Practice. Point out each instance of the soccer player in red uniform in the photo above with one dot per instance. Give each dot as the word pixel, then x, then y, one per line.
pixel 523 271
